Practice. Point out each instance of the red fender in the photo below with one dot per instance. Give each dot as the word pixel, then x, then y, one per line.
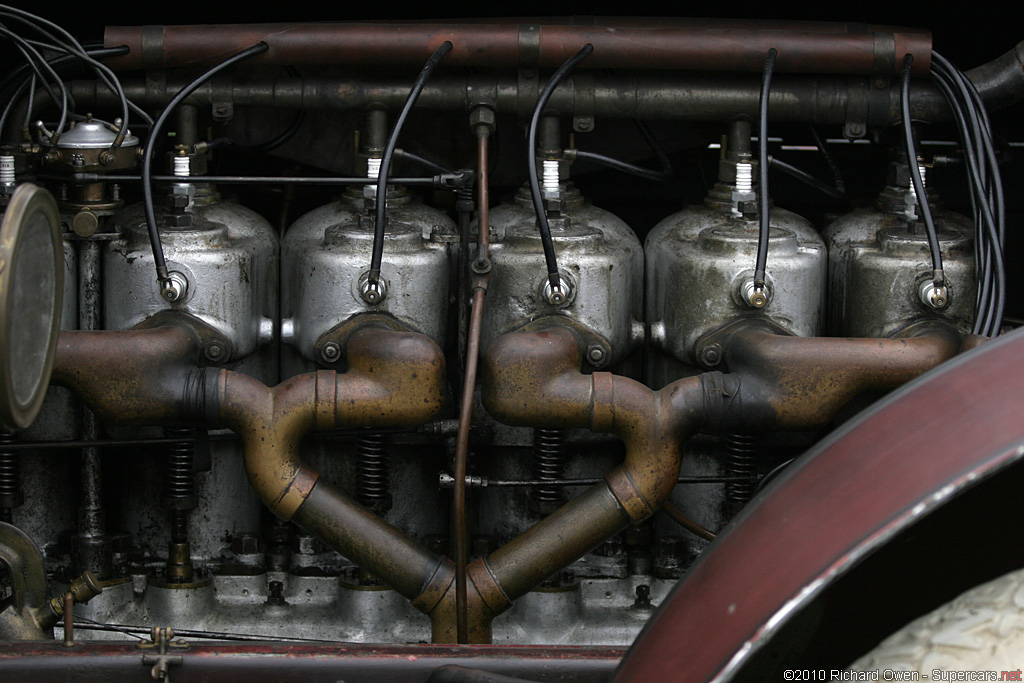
pixel 874 477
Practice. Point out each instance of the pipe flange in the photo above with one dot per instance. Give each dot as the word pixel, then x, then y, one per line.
pixel 710 350
pixel 216 348
pixel 597 351
pixel 329 349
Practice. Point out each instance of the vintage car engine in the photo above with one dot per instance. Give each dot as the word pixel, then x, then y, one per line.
pixel 486 352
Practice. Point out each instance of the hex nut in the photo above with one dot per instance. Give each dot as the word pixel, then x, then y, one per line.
pixel 245 544
pixel 482 115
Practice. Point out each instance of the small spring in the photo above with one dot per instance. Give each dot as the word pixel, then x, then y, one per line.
pixel 740 463
pixel 179 478
pixel 549 458
pixel 10 478
pixel 373 473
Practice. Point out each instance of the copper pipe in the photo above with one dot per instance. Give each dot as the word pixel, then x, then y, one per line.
pixel 397 379
pixel 394 379
pixel 682 520
pixel 483 137
pixel 621 43
pixel 481 275
pixel 461 458
pixel 69 621
pixel 484 601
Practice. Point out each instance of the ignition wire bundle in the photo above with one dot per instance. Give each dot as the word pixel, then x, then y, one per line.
pixel 986 191
pixel 59 40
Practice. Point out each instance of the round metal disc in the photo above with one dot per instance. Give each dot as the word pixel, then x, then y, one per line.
pixel 31 290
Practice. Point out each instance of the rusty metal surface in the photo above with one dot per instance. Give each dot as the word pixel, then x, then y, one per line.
pixel 305 663
pixel 393 379
pixel 130 377
pixel 534 378
pixel 706 44
pixel 484 600
pixel 805 381
pixel 873 478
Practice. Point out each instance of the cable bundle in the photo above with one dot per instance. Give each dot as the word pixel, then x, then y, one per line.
pixel 56 39
pixel 986 192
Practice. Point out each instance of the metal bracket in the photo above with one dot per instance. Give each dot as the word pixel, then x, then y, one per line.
pixel 583 101
pixel 162 660
pixel 858 90
pixel 528 76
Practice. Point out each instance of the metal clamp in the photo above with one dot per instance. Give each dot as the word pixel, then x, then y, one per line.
pixel 162 660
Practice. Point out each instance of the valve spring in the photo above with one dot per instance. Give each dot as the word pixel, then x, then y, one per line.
pixel 373 473
pixel 179 478
pixel 740 463
pixel 10 478
pixel 549 458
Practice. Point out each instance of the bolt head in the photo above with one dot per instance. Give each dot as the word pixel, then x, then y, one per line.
pixel 596 355
pixel 214 351
pixel 330 352
pixel 711 355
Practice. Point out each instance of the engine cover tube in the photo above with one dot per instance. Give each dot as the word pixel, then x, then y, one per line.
pixel 622 43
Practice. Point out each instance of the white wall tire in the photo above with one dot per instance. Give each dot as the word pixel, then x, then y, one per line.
pixel 980 630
